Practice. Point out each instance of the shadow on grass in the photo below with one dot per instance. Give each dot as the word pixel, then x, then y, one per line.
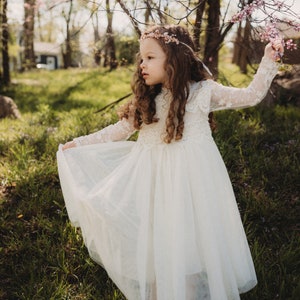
pixel 28 98
pixel 63 102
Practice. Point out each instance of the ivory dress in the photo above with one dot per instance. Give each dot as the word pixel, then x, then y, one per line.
pixel 162 219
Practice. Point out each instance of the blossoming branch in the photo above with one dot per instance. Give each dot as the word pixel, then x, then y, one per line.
pixel 273 13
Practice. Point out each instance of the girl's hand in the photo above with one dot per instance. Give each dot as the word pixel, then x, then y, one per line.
pixel 275 49
pixel 68 145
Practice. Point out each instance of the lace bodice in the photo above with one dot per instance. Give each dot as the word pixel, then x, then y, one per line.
pixel 205 96
pixel 196 124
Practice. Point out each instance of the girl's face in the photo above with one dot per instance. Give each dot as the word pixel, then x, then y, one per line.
pixel 153 60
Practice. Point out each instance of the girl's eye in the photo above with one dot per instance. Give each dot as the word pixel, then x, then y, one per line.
pixel 146 58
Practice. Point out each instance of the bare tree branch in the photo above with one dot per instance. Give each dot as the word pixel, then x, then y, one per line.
pixel 132 19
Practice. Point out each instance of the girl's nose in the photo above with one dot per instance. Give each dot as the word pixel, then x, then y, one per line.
pixel 142 65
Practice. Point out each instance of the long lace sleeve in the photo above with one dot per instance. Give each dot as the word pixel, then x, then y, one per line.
pixel 121 130
pixel 223 97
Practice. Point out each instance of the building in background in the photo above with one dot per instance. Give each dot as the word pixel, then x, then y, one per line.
pixel 48 55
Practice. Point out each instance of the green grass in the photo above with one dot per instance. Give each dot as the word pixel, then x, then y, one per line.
pixel 261 150
pixel 64 90
pixel 43 257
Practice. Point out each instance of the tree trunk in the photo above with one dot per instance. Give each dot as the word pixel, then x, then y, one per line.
pixel 198 23
pixel 28 33
pixel 213 39
pixel 237 45
pixel 242 44
pixel 244 57
pixel 5 37
pixel 110 49
pixel 147 13
pixel 67 53
pixel 98 50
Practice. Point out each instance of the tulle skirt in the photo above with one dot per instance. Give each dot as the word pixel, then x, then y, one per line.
pixel 162 219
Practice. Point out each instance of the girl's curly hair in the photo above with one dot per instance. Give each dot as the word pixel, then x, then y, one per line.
pixel 182 66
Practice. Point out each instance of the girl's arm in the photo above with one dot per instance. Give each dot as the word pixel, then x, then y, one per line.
pixel 121 130
pixel 229 97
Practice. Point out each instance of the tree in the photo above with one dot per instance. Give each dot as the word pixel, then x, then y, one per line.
pixel 242 43
pixel 67 52
pixel 97 38
pixel 5 38
pixel 28 34
pixel 110 58
pixel 212 36
pixel 46 29
pixel 198 23
pixel 242 46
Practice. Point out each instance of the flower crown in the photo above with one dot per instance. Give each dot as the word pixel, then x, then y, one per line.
pixel 167 38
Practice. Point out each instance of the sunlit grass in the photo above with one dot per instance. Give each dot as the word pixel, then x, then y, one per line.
pixel 66 89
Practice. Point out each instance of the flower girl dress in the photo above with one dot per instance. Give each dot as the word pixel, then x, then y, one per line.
pixel 162 219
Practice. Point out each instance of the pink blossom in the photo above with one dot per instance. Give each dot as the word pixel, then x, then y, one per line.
pixel 290 45
pixel 296 26
pixel 270 33
pixel 247 10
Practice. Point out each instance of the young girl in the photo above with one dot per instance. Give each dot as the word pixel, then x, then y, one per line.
pixel 159 214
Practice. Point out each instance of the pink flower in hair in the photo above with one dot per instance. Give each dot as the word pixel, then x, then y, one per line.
pixel 166 37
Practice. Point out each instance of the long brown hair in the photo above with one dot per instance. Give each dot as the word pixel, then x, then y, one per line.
pixel 182 66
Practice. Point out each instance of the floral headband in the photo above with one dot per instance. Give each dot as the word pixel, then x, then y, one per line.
pixel 164 36
pixel 167 38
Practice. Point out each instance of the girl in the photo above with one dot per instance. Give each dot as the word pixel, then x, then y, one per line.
pixel 159 214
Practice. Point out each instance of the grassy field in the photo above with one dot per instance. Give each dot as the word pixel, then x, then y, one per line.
pixel 43 257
